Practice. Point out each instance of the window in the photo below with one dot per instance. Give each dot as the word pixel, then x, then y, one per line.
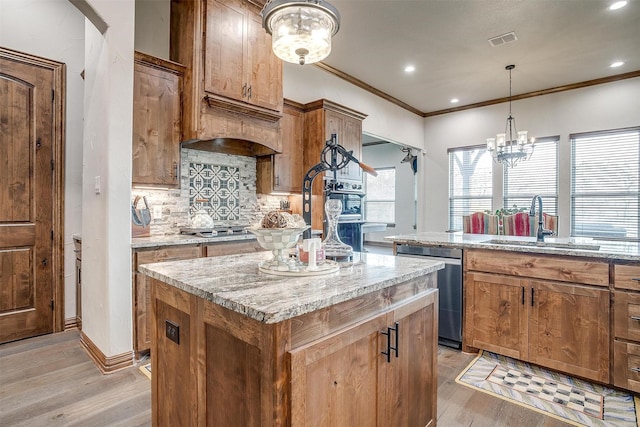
pixel 380 202
pixel 470 186
pixel 605 189
pixel 536 175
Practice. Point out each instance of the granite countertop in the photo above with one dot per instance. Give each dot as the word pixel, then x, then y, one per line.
pixel 628 251
pixel 180 239
pixel 234 282
pixel 185 239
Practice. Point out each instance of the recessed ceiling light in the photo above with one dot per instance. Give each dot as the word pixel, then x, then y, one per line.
pixel 409 69
pixel 455 100
pixel 618 5
pixel 617 64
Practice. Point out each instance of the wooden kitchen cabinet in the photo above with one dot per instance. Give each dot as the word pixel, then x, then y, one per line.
pixel 236 47
pixel 283 172
pixel 142 293
pixel 157 121
pixel 500 317
pixel 233 81
pixel 343 363
pixel 626 317
pixel 232 247
pixel 322 368
pixel 321 119
pixel 516 305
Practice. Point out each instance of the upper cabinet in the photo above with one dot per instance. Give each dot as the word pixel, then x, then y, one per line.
pixel 157 125
pixel 283 172
pixel 321 119
pixel 239 63
pixel 233 87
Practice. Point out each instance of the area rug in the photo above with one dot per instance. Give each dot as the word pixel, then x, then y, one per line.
pixel 569 399
pixel 146 369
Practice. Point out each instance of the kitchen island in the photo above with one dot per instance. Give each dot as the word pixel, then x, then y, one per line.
pixel 236 347
pixel 571 305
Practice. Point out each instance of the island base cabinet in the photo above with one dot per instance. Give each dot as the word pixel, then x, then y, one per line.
pixel 216 367
pixel 378 372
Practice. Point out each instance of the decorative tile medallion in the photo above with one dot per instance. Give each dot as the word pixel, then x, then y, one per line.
pixel 217 184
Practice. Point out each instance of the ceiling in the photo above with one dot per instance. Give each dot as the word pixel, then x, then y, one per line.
pixel 560 42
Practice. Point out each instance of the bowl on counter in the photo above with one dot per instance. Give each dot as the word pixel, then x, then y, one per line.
pixel 277 240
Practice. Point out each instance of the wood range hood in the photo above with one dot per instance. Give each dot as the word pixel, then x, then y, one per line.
pixel 231 146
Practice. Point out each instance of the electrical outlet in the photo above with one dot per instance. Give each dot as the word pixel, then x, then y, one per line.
pixel 172 331
pixel 157 212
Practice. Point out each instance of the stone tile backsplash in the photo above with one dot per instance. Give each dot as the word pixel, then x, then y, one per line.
pixel 227 182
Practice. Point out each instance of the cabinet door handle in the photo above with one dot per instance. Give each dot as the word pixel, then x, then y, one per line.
pixel 250 91
pixel 532 293
pixel 523 295
pixel 244 90
pixel 637 279
pixel 175 169
pixel 635 317
pixel 388 351
pixel 397 330
pixel 277 180
pixel 634 369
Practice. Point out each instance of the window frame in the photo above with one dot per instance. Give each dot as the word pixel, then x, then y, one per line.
pixel 573 196
pixel 529 196
pixel 452 199
pixel 368 200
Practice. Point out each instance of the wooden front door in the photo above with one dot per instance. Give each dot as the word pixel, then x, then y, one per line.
pixel 28 122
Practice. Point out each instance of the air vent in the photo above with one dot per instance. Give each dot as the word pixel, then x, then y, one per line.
pixel 503 39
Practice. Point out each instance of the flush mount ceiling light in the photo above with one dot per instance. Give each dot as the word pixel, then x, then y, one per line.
pixel 511 146
pixel 617 5
pixel 301 30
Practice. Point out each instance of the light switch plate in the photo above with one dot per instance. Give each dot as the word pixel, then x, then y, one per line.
pixel 157 212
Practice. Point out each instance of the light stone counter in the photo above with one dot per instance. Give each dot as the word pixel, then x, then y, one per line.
pixel 234 282
pixel 627 251
pixel 185 239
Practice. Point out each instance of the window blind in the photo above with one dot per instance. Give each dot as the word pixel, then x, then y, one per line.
pixel 380 201
pixel 605 185
pixel 470 183
pixel 536 175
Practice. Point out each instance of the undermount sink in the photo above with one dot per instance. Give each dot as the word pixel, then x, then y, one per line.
pixel 547 244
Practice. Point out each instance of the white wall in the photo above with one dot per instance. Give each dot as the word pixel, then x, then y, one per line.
pixel 385 120
pixel 54 29
pixel 106 217
pixel 153 27
pixel 607 106
pixel 390 155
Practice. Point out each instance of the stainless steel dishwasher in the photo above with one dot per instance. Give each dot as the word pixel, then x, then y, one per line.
pixel 449 287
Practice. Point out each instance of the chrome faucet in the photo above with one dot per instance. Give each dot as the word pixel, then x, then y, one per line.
pixel 532 212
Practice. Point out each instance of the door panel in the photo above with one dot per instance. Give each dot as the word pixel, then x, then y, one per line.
pixel 26 199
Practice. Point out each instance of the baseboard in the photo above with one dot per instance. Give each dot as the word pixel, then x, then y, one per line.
pixel 106 365
pixel 72 323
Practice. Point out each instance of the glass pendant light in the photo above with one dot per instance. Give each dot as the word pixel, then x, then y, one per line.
pixel 301 31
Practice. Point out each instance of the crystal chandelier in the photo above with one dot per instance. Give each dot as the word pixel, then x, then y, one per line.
pixel 300 30
pixel 511 146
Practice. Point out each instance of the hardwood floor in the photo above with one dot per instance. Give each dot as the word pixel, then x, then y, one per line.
pixel 50 381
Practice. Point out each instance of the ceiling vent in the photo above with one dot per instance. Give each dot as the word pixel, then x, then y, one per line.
pixel 503 39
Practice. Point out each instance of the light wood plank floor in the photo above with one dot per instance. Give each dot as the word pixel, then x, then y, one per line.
pixel 50 381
